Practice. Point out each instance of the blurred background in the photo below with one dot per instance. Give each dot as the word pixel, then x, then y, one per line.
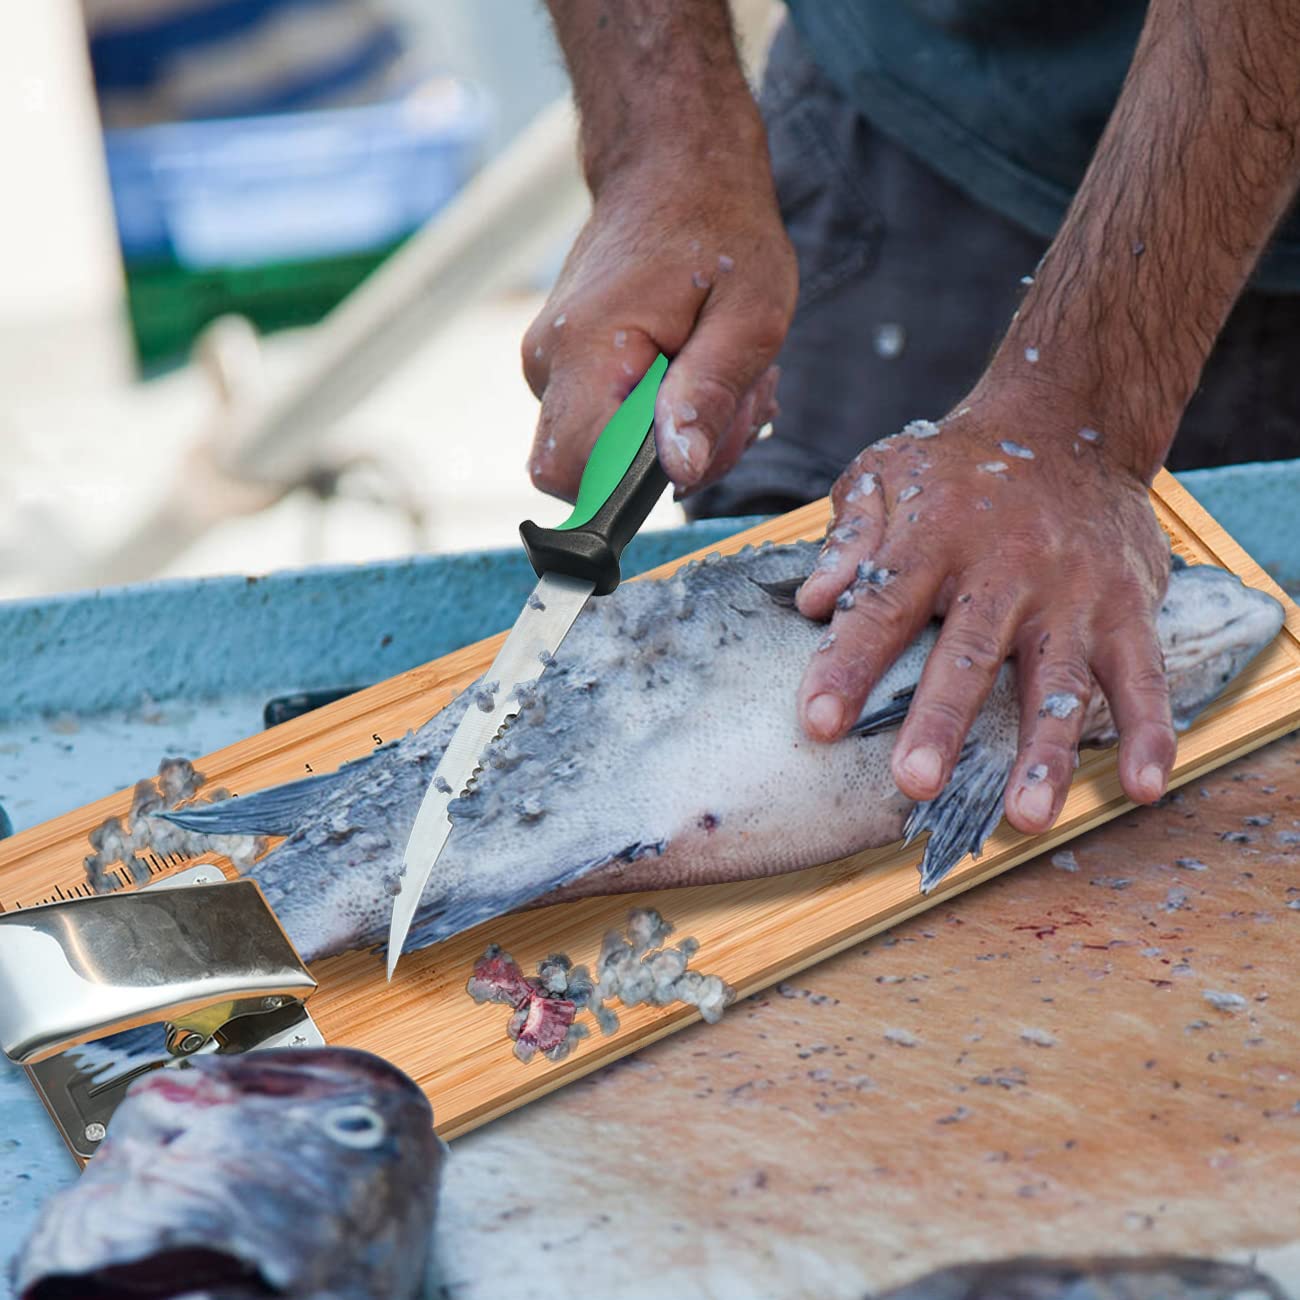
pixel 189 383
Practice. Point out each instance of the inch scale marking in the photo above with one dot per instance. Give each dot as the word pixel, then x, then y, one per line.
pixel 157 865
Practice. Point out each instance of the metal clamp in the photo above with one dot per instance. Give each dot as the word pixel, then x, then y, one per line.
pixel 204 957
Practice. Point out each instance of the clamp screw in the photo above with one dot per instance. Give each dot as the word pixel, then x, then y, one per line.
pixel 272 1003
pixel 298 1040
pixel 95 1132
pixel 191 1043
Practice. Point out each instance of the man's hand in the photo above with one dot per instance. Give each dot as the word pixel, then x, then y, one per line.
pixel 1031 533
pixel 1029 540
pixel 684 253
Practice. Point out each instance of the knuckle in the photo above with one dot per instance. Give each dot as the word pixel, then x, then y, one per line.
pixel 711 398
pixel 879 603
pixel 944 718
pixel 1128 592
pixel 1065 677
pixel 1032 543
pixel 1147 680
pixel 767 324
pixel 845 673
pixel 1053 761
pixel 977 642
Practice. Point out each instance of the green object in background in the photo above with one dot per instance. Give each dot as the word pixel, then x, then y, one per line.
pixel 620 485
pixel 169 304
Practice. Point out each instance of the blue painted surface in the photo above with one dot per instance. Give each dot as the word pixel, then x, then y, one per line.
pixel 1259 505
pixel 101 685
pixel 121 648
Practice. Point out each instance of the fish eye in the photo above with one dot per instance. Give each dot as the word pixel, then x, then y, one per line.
pixel 355 1126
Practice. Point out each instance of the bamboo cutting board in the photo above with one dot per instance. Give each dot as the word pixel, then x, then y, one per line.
pixel 752 933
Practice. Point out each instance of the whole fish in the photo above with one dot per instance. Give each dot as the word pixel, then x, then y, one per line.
pixel 662 748
pixel 299 1173
pixel 1157 1277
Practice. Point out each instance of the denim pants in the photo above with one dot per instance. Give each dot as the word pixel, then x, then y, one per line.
pixel 906 286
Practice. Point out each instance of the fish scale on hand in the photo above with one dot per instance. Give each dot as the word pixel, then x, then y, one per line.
pixel 663 749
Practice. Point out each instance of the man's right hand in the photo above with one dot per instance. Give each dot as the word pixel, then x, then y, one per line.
pixel 685 254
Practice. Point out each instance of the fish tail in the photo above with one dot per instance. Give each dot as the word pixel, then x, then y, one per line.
pixel 280 810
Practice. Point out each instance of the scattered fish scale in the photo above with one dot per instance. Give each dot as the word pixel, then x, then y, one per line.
pixel 634 967
pixel 544 1024
pixel 1221 1001
pixel 921 429
pixel 1016 449
pixel 124 839
pixel 544 1005
pixel 1060 704
pixel 864 485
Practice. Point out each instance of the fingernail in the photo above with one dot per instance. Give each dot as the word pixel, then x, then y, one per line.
pixel 1152 780
pixel 688 447
pixel 824 714
pixel 924 766
pixel 1035 801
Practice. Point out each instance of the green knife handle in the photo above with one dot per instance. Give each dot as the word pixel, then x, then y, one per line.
pixel 620 485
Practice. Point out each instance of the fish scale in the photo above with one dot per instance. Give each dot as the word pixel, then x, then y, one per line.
pixel 687 768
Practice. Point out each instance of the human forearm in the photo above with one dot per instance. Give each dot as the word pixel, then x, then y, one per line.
pixel 684 252
pixel 656 77
pixel 1195 168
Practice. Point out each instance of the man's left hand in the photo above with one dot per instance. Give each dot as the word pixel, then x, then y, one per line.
pixel 1034 542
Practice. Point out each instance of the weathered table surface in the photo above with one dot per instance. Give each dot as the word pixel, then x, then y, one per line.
pixel 1033 1068
pixel 1068 1088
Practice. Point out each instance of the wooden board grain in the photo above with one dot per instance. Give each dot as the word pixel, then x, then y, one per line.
pixel 752 933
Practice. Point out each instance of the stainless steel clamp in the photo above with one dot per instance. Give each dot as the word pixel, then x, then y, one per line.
pixel 204 957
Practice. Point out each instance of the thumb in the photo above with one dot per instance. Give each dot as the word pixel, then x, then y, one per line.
pixel 587 383
pixel 727 352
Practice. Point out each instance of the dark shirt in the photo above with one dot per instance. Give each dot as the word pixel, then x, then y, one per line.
pixel 1005 98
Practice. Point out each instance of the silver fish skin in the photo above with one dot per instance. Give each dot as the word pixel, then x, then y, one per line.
pixel 662 748
pixel 1155 1277
pixel 300 1173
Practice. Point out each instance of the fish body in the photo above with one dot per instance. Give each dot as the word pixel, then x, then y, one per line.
pixel 662 748
pixel 1156 1277
pixel 290 1172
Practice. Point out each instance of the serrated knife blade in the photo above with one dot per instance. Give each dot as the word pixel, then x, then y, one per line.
pixel 542 625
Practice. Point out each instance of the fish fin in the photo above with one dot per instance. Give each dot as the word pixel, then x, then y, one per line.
pixel 783 591
pixel 461 914
pixel 279 810
pixel 962 816
pixel 885 718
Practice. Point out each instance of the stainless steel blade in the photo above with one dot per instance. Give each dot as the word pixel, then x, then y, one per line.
pixel 541 626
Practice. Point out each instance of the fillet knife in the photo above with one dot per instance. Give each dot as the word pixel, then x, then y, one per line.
pixel 574 560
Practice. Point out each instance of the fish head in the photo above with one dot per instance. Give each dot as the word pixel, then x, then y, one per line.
pixel 357 1102
pixel 289 1171
pixel 1210 625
